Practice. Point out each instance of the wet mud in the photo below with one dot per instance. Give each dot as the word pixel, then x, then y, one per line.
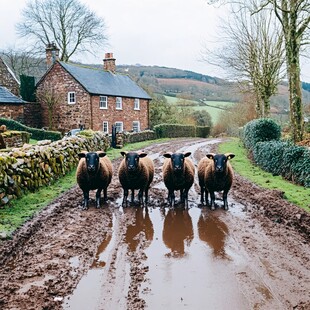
pixel 253 256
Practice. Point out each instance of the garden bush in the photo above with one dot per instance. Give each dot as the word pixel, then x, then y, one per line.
pixel 37 134
pixel 177 130
pixel 285 159
pixel 260 130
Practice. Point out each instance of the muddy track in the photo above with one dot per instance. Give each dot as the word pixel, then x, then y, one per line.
pixel 254 256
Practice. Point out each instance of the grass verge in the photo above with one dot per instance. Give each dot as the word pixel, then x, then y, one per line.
pixel 296 194
pixel 18 211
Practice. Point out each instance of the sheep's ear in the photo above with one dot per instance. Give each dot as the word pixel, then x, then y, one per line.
pixel 101 154
pixel 210 155
pixel 82 155
pixel 187 154
pixel 123 153
pixel 141 155
pixel 230 155
pixel 167 155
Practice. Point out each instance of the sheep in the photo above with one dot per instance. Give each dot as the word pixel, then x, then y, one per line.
pixel 136 171
pixel 215 174
pixel 178 174
pixel 94 171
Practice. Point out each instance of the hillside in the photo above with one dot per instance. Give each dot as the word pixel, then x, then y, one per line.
pixel 183 83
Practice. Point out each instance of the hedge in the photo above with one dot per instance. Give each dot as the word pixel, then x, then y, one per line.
pixel 285 159
pixel 260 130
pixel 177 130
pixel 37 134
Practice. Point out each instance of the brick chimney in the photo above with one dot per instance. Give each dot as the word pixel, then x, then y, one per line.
pixel 52 54
pixel 109 62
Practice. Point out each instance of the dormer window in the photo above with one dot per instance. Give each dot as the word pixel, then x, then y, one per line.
pixel 119 105
pixel 71 97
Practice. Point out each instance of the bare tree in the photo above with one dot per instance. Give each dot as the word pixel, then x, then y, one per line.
pixel 49 97
pixel 294 17
pixel 23 62
pixel 68 23
pixel 253 52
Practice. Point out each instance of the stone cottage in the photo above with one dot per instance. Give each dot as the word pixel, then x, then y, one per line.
pixel 73 95
pixel 11 106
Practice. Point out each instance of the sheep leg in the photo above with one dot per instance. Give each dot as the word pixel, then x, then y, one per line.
pixel 98 197
pixel 185 198
pixel 146 192
pixel 225 200
pixel 212 200
pixel 140 196
pixel 125 197
pixel 202 191
pixel 86 198
pixel 132 196
pixel 171 198
pixel 105 194
pixel 182 193
pixel 206 195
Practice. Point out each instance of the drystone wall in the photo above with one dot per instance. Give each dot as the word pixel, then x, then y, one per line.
pixel 33 166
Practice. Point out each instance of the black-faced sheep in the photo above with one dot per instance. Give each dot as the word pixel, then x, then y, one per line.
pixel 178 174
pixel 215 174
pixel 94 171
pixel 136 171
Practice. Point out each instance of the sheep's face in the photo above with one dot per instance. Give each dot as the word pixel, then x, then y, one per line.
pixel 177 160
pixel 220 161
pixel 92 161
pixel 132 160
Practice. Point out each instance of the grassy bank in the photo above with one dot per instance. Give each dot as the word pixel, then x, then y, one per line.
pixel 298 195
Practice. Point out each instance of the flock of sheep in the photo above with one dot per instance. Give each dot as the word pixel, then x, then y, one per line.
pixel 136 172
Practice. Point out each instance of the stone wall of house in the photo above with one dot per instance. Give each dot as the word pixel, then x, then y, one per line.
pixel 33 166
pixel 7 80
pixel 32 115
pixel 12 110
pixel 65 116
pixel 126 115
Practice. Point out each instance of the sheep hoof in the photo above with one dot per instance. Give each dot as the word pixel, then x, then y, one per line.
pixel 212 207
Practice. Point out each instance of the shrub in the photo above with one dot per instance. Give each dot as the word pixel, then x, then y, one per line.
pixel 284 158
pixel 260 130
pixel 174 130
pixel 177 130
pixel 37 134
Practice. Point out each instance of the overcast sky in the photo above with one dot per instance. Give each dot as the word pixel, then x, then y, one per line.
pixel 168 33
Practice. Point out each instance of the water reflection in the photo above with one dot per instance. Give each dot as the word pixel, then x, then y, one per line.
pixel 98 262
pixel 213 231
pixel 177 231
pixel 142 224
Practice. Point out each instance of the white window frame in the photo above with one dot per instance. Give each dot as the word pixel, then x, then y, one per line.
pixel 71 97
pixel 137 126
pixel 103 102
pixel 136 104
pixel 121 125
pixel 105 123
pixel 119 103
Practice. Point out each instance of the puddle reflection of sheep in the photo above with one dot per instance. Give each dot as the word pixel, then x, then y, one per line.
pixel 213 231
pixel 142 225
pixel 177 231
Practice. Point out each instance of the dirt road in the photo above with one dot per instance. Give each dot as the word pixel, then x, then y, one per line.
pixel 253 256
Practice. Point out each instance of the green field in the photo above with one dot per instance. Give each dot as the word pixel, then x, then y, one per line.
pixel 212 107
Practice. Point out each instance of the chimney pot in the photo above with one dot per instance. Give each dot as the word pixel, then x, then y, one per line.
pixel 52 54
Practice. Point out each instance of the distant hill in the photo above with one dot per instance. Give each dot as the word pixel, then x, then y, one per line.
pixel 184 83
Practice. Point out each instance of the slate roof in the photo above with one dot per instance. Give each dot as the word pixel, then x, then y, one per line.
pixel 7 97
pixel 101 82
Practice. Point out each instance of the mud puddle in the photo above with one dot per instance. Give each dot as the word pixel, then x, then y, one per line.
pixel 190 261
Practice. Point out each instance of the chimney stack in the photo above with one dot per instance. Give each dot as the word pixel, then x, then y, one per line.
pixel 109 62
pixel 52 54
